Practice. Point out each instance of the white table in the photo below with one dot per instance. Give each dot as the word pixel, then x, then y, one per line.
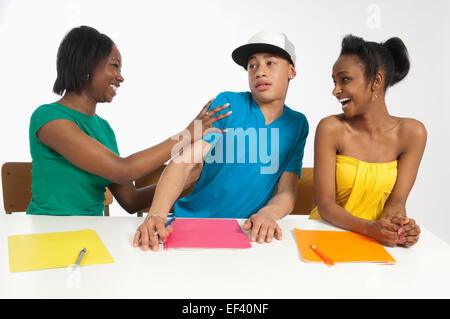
pixel 264 271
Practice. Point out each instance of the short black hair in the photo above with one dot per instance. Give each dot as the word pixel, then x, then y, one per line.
pixel 391 56
pixel 78 54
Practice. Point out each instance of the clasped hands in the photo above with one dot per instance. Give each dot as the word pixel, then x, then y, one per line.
pixel 397 230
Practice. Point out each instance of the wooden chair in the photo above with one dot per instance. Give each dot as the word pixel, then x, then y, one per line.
pixel 305 194
pixel 153 178
pixel 16 184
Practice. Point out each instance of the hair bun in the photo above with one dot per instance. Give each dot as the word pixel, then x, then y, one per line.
pixel 400 56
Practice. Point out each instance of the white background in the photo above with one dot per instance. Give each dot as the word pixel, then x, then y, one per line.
pixel 177 55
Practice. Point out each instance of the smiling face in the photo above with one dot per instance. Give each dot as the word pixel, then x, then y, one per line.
pixel 106 78
pixel 351 88
pixel 268 77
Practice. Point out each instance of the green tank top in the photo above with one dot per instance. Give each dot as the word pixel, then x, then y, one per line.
pixel 59 187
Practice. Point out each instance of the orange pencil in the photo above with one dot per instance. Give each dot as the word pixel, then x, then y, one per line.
pixel 327 260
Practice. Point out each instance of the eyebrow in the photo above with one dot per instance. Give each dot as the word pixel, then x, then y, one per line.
pixel 118 60
pixel 341 72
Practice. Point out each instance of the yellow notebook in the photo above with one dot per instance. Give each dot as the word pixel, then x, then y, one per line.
pixel 340 246
pixel 55 250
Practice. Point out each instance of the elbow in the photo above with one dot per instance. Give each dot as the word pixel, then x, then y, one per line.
pixel 130 210
pixel 128 206
pixel 123 172
pixel 323 207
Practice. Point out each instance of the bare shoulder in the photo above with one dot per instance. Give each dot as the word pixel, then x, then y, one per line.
pixel 332 124
pixel 410 128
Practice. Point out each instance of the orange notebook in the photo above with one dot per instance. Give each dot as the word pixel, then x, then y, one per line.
pixel 340 246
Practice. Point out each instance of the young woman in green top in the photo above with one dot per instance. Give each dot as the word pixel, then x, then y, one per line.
pixel 74 151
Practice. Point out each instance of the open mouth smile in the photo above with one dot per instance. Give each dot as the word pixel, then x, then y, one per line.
pixel 114 87
pixel 344 102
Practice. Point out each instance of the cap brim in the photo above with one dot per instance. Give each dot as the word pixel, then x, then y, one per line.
pixel 242 53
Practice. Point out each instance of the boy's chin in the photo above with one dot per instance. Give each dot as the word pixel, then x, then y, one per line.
pixel 266 96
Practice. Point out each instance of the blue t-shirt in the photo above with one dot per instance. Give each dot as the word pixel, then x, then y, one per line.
pixel 241 171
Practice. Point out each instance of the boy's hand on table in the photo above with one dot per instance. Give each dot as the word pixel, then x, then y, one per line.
pixel 263 227
pixel 150 232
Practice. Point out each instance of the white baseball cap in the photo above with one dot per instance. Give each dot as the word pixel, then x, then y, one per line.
pixel 265 41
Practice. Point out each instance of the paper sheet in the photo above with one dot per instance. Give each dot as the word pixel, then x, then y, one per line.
pixel 207 233
pixel 55 250
pixel 340 246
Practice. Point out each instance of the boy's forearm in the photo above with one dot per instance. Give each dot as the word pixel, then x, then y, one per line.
pixel 281 204
pixel 175 176
pixel 170 186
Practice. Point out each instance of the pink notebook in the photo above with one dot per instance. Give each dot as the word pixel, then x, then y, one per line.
pixel 207 233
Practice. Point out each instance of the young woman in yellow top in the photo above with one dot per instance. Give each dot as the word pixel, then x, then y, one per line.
pixel 366 160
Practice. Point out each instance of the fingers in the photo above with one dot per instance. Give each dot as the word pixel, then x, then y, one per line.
pixel 247 224
pixel 144 237
pixel 263 231
pixel 255 231
pixel 400 220
pixel 412 237
pixel 137 238
pixel 410 226
pixel 217 109
pixel 219 117
pixel 415 231
pixel 389 238
pixel 206 107
pixel 387 224
pixel 410 241
pixel 278 233
pixel 154 241
pixel 161 231
pixel 150 232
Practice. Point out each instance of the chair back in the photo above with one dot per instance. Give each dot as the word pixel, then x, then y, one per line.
pixel 16 185
pixel 305 193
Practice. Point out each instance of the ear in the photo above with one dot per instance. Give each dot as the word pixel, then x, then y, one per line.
pixel 378 82
pixel 292 73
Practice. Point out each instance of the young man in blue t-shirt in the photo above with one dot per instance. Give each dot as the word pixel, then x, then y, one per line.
pixel 252 170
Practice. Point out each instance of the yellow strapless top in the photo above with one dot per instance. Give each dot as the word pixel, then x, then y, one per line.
pixel 362 188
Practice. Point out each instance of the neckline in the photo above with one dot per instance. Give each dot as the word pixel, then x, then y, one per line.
pixel 76 112
pixel 391 162
pixel 261 114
